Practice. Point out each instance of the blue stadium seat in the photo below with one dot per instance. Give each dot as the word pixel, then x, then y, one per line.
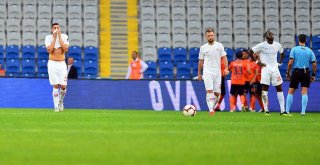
pixel 317 53
pixel 166 70
pixel 13 67
pixel 90 69
pixel 78 64
pixel 179 55
pixel 286 52
pixel 42 53
pixel 183 70
pixel 151 72
pixel 75 52
pixel 164 54
pixel 12 51
pixel 230 54
pixel 194 54
pixel 28 68
pixel 307 43
pixel 194 69
pixel 91 53
pixel 42 68
pixel 1 52
pixel 316 42
pixel 29 52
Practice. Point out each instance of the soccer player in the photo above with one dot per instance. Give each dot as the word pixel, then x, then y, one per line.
pixel 223 88
pixel 57 45
pixel 252 75
pixel 237 69
pixel 136 67
pixel 210 56
pixel 270 73
pixel 245 60
pixel 300 58
pixel 258 89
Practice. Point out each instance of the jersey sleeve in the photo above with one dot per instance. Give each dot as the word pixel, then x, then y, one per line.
pixel 48 40
pixel 292 53
pixel 257 48
pixel 65 39
pixel 313 57
pixel 201 53
pixel 280 48
pixel 222 51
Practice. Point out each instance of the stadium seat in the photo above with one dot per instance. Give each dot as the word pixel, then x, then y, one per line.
pixel 178 14
pixel 148 41
pixel 241 41
pixel 183 70
pixel 13 67
pixel 255 4
pixel 75 52
pixel 194 27
pixel 179 40
pixel 90 12
pixel 287 4
pixel 178 3
pixel 28 68
pixel 194 54
pixel 78 64
pixel 193 13
pixel 90 26
pixel 193 3
pixel 316 42
pixel 14 11
pixel 240 4
pixel 147 3
pixel 148 27
pixel 91 53
pixel 166 70
pixel 42 53
pixel 42 66
pixel 179 55
pixel 286 52
pixel 226 40
pixel 163 40
pixel 149 54
pixel 151 72
pixel 74 12
pixel 30 11
pixel 194 66
pixel 239 50
pixel 147 13
pixel 179 27
pixel 317 53
pixel 194 40
pixel 28 51
pixel 224 14
pixel 12 51
pixel 1 52
pixel 90 39
pixel 165 54
pixel 3 11
pixel 163 13
pixel 163 27
pixel 44 11
pixel 90 69
pixel 229 51
pixel 209 14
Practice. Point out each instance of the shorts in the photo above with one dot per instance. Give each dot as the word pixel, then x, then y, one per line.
pixel 212 81
pixel 223 86
pixel 270 76
pixel 258 89
pixel 300 76
pixel 247 87
pixel 57 71
pixel 237 89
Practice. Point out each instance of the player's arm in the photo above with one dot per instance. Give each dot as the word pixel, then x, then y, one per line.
pixel 128 72
pixel 225 63
pixel 257 58
pixel 281 57
pixel 63 42
pixel 255 76
pixel 50 44
pixel 288 75
pixel 144 66
pixel 314 71
pixel 200 67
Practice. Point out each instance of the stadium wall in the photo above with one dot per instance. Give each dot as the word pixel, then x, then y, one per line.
pixel 127 94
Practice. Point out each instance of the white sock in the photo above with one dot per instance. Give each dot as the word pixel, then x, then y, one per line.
pixel 265 100
pixel 62 94
pixel 210 101
pixel 55 95
pixel 215 101
pixel 281 101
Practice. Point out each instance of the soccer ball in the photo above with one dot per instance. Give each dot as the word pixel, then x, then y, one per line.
pixel 189 110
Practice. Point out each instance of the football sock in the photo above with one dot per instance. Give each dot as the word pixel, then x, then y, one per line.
pixel 265 100
pixel 210 101
pixel 215 100
pixel 304 103
pixel 62 94
pixel 252 102
pixel 243 100
pixel 232 102
pixel 260 102
pixel 289 102
pixel 55 95
pixel 281 101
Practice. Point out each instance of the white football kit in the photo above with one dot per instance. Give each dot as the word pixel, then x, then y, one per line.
pixel 57 70
pixel 211 54
pixel 268 55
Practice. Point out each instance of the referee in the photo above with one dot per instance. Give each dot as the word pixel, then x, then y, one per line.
pixel 300 58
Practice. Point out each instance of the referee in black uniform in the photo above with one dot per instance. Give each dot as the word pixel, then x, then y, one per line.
pixel 300 59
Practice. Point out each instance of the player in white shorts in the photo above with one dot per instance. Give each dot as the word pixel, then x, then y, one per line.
pixel 270 73
pixel 57 44
pixel 210 56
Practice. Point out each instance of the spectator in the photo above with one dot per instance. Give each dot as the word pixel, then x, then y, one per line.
pixel 2 71
pixel 136 67
pixel 72 70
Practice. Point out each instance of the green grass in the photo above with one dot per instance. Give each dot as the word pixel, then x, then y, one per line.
pixel 42 137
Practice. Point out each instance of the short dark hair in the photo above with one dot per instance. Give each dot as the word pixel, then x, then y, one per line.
pixel 209 29
pixel 54 24
pixel 265 34
pixel 239 54
pixel 302 38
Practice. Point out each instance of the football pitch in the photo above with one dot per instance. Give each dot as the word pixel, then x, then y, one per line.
pixel 40 136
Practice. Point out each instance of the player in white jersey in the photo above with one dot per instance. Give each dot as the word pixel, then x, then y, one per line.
pixel 57 44
pixel 270 73
pixel 210 56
